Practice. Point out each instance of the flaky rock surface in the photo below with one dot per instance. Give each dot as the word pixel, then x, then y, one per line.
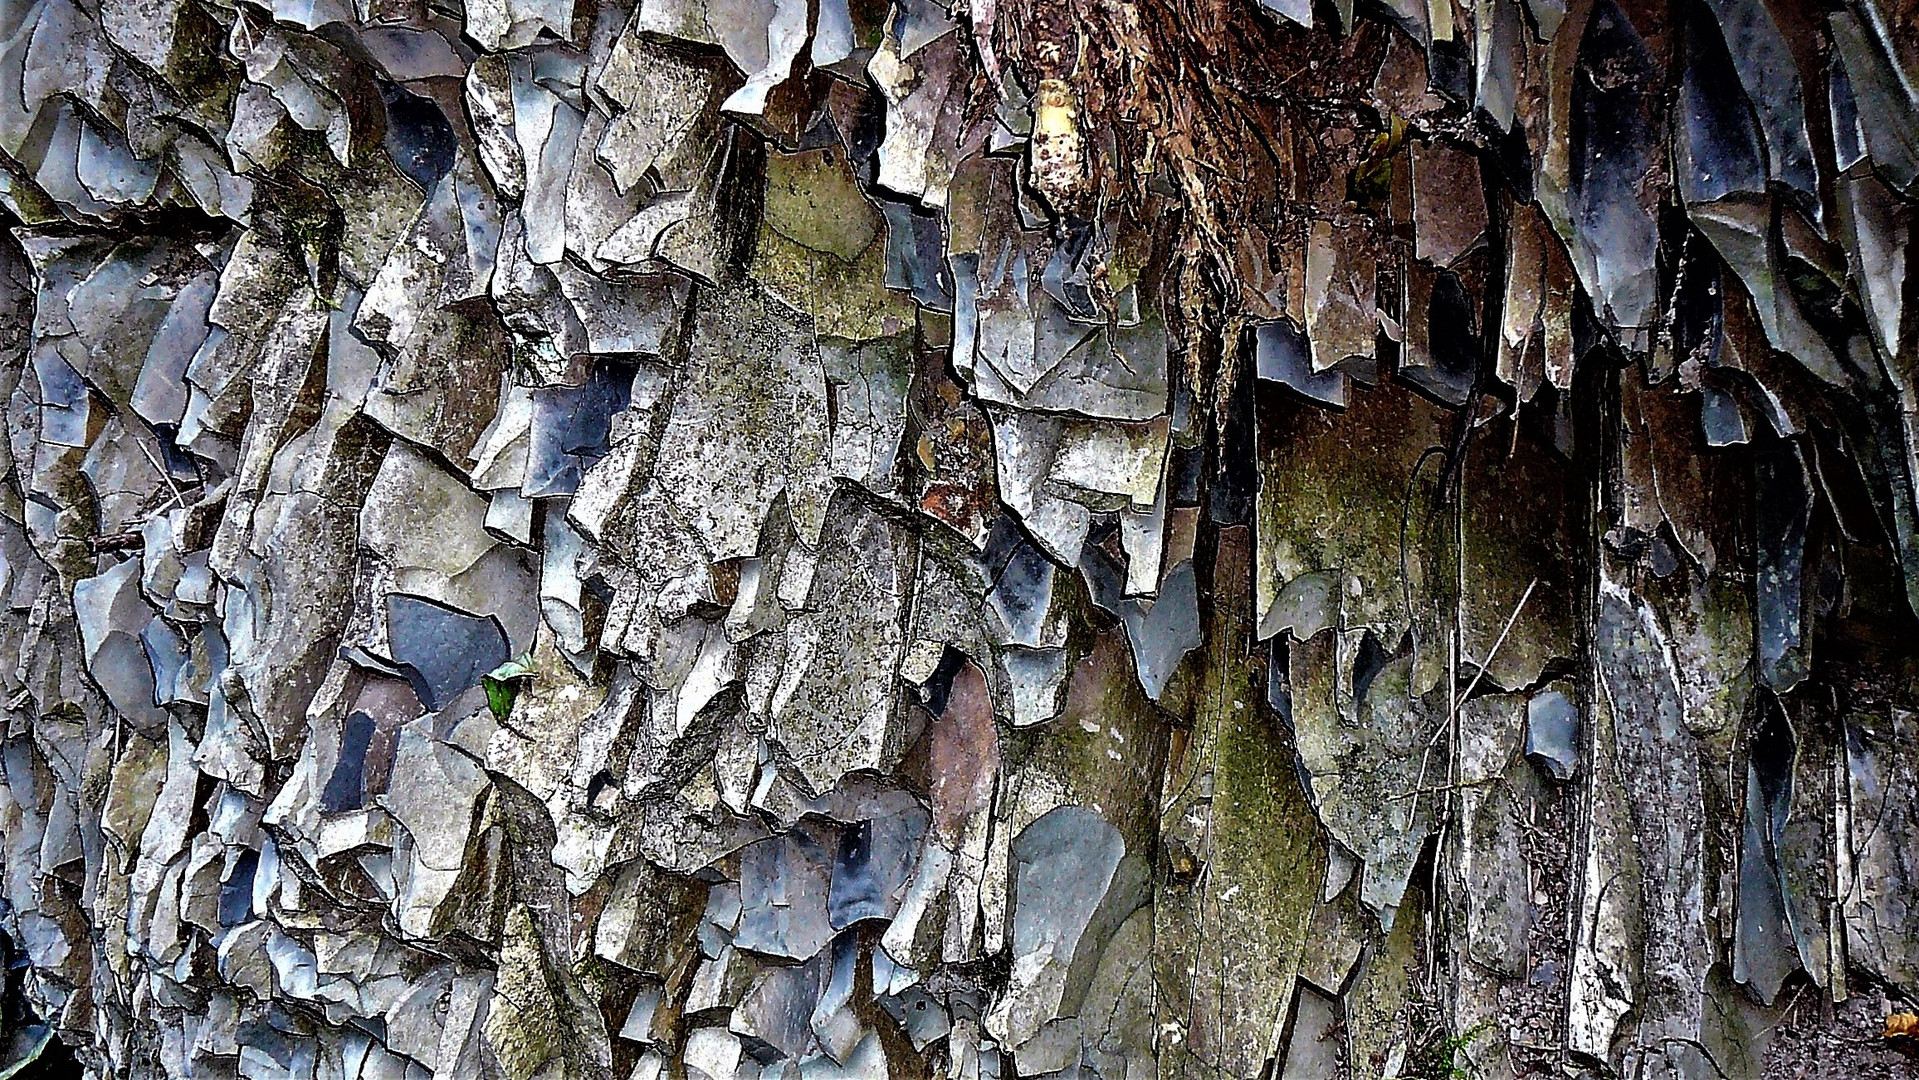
pixel 1098 539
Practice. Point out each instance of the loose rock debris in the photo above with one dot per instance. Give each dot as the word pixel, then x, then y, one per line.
pixel 777 540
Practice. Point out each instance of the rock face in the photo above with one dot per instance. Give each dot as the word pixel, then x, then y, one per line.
pixel 1121 539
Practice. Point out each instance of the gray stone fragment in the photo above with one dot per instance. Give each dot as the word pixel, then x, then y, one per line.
pixel 871 868
pixel 1164 630
pixel 1071 888
pixel 785 883
pixel 747 424
pixel 1371 809
pixel 1282 354
pixel 1313 1043
pixel 443 652
pixel 834 1021
pixel 1552 732
pixel 841 711
pixel 112 617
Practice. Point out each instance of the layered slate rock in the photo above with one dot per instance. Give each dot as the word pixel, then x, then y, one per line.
pixel 764 540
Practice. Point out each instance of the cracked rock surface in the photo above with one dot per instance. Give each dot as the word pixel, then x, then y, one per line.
pixel 829 540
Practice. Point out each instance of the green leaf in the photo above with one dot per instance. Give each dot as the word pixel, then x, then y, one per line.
pixel 503 685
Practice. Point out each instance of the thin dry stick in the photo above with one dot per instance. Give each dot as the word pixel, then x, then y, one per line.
pixel 1490 654
pixel 1498 641
pixel 1453 648
pixel 1426 756
pixel 179 498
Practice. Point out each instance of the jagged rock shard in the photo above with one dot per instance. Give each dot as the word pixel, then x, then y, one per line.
pixel 871 869
pixel 1614 140
pixel 1023 594
pixel 1552 732
pixel 1764 952
pixel 1164 630
pixel 1441 358
pixel 442 651
pixel 1722 151
pixel 1067 882
pixel 1881 792
pixel 1282 354
pixel 859 424
pixel 1313 1045
pixel 1370 810
pixel 570 429
pixel 1781 508
pixel 1656 770
pixel 1722 418
pixel 418 137
pixel 346 787
pixel 785 889
pixel 236 892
